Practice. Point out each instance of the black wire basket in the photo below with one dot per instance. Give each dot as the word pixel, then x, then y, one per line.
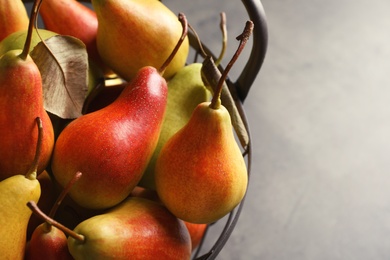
pixel 239 90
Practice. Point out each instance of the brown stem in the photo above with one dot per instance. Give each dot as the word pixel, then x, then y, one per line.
pixel 243 38
pixel 224 38
pixel 33 19
pixel 35 209
pixel 203 52
pixel 183 21
pixel 32 172
pixel 63 194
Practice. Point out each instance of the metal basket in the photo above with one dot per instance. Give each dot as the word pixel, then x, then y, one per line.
pixel 239 91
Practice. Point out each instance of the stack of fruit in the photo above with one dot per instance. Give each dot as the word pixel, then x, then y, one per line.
pixel 95 168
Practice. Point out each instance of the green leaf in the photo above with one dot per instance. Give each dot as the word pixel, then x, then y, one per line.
pixel 63 63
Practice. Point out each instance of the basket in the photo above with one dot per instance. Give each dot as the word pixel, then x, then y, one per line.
pixel 239 90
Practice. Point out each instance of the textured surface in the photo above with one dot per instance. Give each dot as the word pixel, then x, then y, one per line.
pixel 319 114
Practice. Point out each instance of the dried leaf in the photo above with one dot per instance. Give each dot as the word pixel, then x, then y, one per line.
pixel 63 63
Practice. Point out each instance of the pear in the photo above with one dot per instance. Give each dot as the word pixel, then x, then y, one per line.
pixel 45 203
pixel 201 174
pixel 21 101
pixel 137 228
pixel 137 33
pixel 15 192
pixel 47 241
pixel 13 17
pixel 70 17
pixel 112 146
pixel 185 91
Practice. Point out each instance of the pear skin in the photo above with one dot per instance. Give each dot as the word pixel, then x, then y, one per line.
pixel 137 228
pixel 49 243
pixel 15 192
pixel 137 33
pixel 13 17
pixel 112 146
pixel 185 91
pixel 201 174
pixel 21 102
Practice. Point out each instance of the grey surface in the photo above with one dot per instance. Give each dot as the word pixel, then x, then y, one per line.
pixel 319 114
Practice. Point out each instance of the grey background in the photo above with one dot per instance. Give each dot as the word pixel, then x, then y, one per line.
pixel 319 115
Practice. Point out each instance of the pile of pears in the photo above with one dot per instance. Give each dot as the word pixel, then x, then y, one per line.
pixel 154 156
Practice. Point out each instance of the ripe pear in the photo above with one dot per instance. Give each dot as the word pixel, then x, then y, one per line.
pixel 185 91
pixel 13 17
pixel 21 101
pixel 49 243
pixel 137 33
pixel 201 174
pixel 113 145
pixel 137 228
pixel 15 192
pixel 70 17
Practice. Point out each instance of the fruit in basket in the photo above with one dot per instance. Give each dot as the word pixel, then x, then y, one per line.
pixel 21 101
pixel 15 192
pixel 201 174
pixel 135 229
pixel 48 244
pixel 137 33
pixel 70 17
pixel 113 145
pixel 185 91
pixel 13 17
pixel 197 232
pixel 46 201
pixel 47 241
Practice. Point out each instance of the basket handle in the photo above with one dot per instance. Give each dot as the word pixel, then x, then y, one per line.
pixel 260 43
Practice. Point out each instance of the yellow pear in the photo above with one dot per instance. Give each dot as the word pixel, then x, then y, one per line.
pixel 15 192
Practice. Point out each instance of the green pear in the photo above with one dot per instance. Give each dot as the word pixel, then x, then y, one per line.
pixel 15 192
pixel 13 17
pixel 17 39
pixel 185 91
pixel 137 228
pixel 137 33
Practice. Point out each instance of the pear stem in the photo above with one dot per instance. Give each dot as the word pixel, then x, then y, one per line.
pixel 62 195
pixel 243 38
pixel 33 18
pixel 36 210
pixel 184 22
pixel 201 49
pixel 32 172
pixel 224 38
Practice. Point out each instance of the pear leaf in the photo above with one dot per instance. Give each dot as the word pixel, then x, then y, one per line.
pixel 63 63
